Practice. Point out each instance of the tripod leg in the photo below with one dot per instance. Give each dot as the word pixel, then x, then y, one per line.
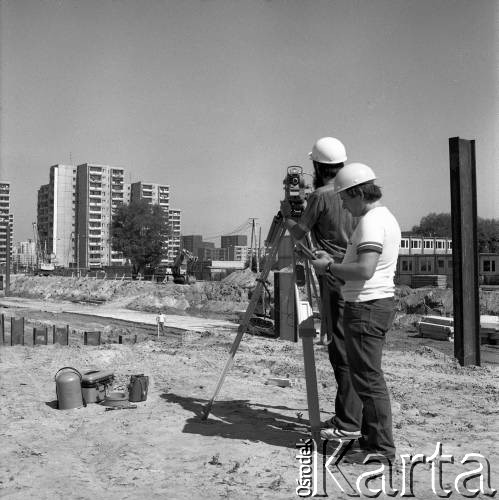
pixel 307 334
pixel 310 276
pixel 277 234
pixel 314 414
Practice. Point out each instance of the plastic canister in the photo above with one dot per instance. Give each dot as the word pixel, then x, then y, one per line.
pixel 137 388
pixel 68 388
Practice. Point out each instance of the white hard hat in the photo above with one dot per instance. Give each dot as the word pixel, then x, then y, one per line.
pixel 328 150
pixel 352 175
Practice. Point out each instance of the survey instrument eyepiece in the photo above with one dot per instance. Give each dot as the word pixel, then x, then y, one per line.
pixel 296 189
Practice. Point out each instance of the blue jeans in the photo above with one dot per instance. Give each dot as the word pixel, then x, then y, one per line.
pixel 347 405
pixel 366 324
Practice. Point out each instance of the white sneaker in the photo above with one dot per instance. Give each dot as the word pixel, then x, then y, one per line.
pixel 335 433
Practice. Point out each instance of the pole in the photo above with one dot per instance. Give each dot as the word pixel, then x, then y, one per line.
pixel 251 244
pixel 7 259
pixel 464 251
pixel 259 249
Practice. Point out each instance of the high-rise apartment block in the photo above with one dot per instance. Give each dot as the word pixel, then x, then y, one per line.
pixel 159 194
pixel 100 189
pixel 55 229
pixel 174 220
pixel 75 211
pixel 156 194
pixel 6 222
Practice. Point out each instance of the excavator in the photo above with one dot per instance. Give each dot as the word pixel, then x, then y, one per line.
pixel 184 267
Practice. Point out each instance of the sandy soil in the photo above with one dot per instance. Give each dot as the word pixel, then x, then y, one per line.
pixel 247 447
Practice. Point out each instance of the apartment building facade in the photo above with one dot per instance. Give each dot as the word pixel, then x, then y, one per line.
pixel 155 194
pixel 100 189
pixel 212 253
pixel 174 238
pixel 75 211
pixel 192 242
pixel 203 250
pixel 238 253
pixel 159 194
pixel 237 247
pixel 6 222
pixel 55 225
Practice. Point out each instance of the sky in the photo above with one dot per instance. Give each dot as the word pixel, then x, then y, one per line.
pixel 216 98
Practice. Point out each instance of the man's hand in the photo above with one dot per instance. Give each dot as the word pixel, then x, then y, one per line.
pixel 321 262
pixel 286 209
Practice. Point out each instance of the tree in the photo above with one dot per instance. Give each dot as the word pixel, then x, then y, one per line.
pixel 434 225
pixel 488 235
pixel 139 230
pixel 440 225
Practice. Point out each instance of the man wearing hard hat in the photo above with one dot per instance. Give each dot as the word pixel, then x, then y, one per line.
pixel 330 227
pixel 367 269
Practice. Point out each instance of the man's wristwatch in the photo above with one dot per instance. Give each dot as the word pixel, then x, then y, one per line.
pixel 328 267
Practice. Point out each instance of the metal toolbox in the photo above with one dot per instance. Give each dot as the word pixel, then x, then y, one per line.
pixel 94 384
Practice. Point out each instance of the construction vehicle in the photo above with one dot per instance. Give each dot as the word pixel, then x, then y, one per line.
pixel 183 268
pixel 44 266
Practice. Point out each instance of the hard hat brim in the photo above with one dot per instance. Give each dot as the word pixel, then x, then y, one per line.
pixel 311 157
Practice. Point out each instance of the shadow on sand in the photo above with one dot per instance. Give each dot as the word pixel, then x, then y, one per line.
pixel 239 419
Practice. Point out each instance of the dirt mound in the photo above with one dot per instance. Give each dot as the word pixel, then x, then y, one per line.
pixel 201 298
pixel 212 297
pixel 247 279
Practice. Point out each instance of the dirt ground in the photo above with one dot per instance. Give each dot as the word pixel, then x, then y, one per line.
pixel 248 446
